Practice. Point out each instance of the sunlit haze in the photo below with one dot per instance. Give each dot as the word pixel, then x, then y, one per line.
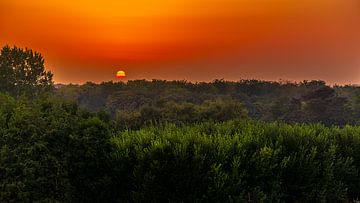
pixel 195 40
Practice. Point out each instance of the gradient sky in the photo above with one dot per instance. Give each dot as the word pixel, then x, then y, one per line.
pixel 196 40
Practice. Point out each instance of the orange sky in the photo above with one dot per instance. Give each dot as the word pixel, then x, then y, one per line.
pixel 197 40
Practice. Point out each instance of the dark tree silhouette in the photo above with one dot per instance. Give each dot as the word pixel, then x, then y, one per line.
pixel 22 72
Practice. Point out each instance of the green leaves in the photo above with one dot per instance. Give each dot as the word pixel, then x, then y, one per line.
pixel 181 113
pixel 239 161
pixel 52 151
pixel 22 72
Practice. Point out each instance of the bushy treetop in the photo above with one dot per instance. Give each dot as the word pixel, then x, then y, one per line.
pixel 22 72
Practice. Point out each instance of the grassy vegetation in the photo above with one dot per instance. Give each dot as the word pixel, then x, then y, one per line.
pixel 239 161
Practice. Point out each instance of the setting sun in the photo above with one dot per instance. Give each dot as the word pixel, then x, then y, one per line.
pixel 120 74
pixel 181 39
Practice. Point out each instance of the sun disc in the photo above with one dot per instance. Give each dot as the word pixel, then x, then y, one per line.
pixel 120 74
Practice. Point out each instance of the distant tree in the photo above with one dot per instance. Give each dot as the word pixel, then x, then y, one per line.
pixel 279 108
pixel 294 114
pixel 313 84
pixel 222 110
pixel 22 72
pixel 325 106
pixel 356 105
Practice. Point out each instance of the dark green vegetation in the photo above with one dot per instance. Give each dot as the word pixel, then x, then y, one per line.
pixel 22 72
pixel 51 150
pixel 160 141
pixel 239 161
pixel 137 102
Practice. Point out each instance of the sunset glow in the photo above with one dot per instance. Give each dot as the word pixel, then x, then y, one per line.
pixel 197 40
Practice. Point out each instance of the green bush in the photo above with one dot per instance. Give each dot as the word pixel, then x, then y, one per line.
pixel 239 161
pixel 52 151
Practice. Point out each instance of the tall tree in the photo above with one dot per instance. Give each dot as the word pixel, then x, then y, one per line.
pixel 22 72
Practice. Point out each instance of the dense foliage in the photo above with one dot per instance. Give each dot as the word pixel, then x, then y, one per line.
pixel 181 113
pixel 239 161
pixel 22 72
pixel 51 150
pixel 304 102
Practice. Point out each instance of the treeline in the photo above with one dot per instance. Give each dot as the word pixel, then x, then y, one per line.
pixel 304 102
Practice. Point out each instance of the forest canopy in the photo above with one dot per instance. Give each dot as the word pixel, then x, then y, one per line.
pixel 139 101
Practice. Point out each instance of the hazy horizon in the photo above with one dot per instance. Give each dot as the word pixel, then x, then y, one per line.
pixel 281 81
pixel 193 40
